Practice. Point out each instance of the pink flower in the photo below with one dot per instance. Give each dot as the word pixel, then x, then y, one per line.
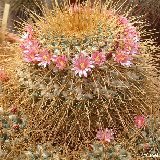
pixel 98 57
pixel 105 135
pixel 28 28
pixel 30 49
pixel 130 40
pixel 82 64
pixel 29 32
pixel 30 45
pixel 3 76
pixel 44 57
pixel 123 59
pixel 123 20
pixel 61 61
pixel 131 47
pixel 30 57
pixel 139 121
pixel 131 32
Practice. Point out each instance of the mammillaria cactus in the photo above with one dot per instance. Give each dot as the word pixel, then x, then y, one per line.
pixel 42 151
pixel 81 68
pixel 12 124
pixel 144 142
pixel 101 152
pixel 148 142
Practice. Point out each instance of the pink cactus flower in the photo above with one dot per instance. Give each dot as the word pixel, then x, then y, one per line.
pixel 30 48
pixel 28 45
pixel 131 32
pixel 105 135
pixel 3 76
pixel 82 64
pixel 130 46
pixel 30 57
pixel 44 57
pixel 139 121
pixel 123 20
pixel 98 58
pixel 61 61
pixel 123 59
pixel 25 36
pixel 28 28
pixel 29 32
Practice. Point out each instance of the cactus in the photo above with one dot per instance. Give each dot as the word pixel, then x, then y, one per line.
pixel 112 82
pixel 12 123
pixel 77 71
pixel 148 141
pixel 43 152
pixel 101 152
pixel 144 143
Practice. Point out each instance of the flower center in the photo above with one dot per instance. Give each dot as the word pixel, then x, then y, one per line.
pixel 97 59
pixel 32 56
pixel 121 58
pixel 82 65
pixel 62 63
pixel 45 57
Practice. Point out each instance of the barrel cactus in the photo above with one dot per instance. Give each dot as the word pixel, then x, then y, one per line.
pixel 81 68
pixel 148 142
pixel 12 125
pixel 42 151
pixel 99 151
